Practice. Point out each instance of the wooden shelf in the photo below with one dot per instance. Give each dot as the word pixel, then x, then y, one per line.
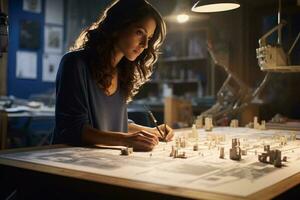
pixel 181 59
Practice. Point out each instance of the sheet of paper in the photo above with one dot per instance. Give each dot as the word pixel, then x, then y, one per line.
pixel 32 6
pixel 54 12
pixel 26 65
pixel 53 39
pixel 50 67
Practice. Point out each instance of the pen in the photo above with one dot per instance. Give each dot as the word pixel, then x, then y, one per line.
pixel 165 131
pixel 155 123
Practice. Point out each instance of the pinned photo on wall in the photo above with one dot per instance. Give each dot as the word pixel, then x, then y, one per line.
pixel 53 39
pixel 32 6
pixel 30 34
pixel 26 65
pixel 50 67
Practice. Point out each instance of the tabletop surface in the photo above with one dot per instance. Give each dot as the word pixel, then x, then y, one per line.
pixel 198 173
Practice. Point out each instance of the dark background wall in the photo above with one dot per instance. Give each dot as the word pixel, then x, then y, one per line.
pixel 22 88
pixel 239 30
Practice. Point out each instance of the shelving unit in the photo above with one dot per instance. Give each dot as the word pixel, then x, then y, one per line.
pixel 184 64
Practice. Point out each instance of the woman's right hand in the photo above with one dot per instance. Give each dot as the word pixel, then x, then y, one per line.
pixel 141 140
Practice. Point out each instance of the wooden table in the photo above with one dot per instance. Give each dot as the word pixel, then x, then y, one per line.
pixel 40 180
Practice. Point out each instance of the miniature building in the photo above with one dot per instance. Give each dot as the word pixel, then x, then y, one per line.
pixel 172 151
pixel 293 136
pixel 263 125
pixel 199 122
pixel 283 140
pixel 257 125
pixel 126 151
pixel 180 155
pixel 222 153
pixel 270 156
pixel 234 123
pixel 208 124
pixel 182 142
pixel 195 147
pixel 175 153
pixel 235 151
pixel 194 134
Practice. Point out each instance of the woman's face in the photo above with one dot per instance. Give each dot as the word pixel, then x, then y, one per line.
pixel 132 41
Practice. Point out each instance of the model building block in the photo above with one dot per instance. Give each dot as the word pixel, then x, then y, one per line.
pixel 199 122
pixel 126 151
pixel 234 123
pixel 208 124
pixel 235 151
pixel 222 153
pixel 270 156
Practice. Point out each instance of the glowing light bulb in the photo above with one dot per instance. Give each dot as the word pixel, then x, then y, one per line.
pixel 182 18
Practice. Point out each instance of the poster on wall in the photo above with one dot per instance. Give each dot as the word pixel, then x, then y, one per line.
pixel 26 67
pixel 53 39
pixel 50 67
pixel 30 32
pixel 54 12
pixel 32 6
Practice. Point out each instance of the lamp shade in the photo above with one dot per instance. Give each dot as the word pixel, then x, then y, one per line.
pixel 208 6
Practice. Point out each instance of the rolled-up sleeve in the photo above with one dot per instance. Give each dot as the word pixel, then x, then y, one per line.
pixel 71 112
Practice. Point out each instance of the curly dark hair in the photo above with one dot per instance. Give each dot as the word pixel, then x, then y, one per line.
pixel 99 39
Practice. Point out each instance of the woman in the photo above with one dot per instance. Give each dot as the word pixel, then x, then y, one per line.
pixel 106 67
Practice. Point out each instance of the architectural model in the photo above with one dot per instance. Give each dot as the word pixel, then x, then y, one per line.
pixel 205 164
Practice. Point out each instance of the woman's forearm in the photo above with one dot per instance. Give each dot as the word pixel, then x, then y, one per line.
pixel 92 136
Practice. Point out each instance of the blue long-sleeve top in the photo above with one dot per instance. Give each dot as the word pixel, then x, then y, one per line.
pixel 79 102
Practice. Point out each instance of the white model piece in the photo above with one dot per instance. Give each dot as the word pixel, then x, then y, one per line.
pixel 293 136
pixel 182 142
pixel 172 151
pixel 235 151
pixel 194 132
pixel 177 142
pixel 222 153
pixel 199 122
pixel 263 125
pixel 126 151
pixel 208 124
pixel 257 125
pixel 283 140
pixel 234 123
pixel 176 154
pixel 215 139
pixel 180 155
